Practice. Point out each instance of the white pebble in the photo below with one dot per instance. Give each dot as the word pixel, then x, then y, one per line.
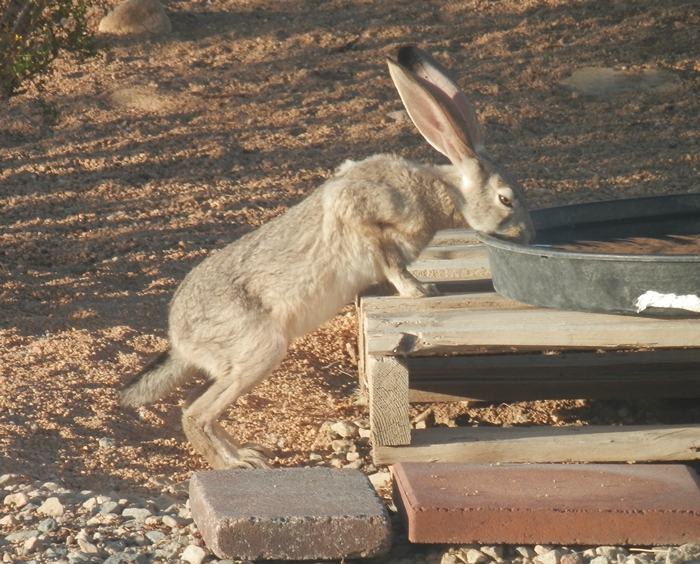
pixel 18 500
pixel 138 513
pixel 8 521
pixel 87 547
pixel 380 479
pixel 551 557
pixel 475 556
pixel 33 544
pixel 495 552
pixel 525 552
pixel 674 556
pixel 344 429
pixel 571 558
pixel 193 554
pixel 52 507
pixel 449 558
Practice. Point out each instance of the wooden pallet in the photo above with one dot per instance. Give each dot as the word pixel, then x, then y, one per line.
pixel 473 344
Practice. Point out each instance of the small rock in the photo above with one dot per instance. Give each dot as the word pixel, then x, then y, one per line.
pixel 87 547
pixel 398 115
pixel 637 559
pixel 352 456
pixel 550 557
pixel 495 552
pixel 33 544
pixel 609 552
pixel 22 536
pixel 180 490
pixel 345 429
pixel 8 521
pixel 156 536
pixel 153 521
pixel 90 503
pixel 607 82
pixel 570 558
pixel 109 507
pixel 380 479
pixel 136 16
pixel 542 549
pixel 18 500
pixel 474 556
pixel 691 550
pixel 138 513
pixel 75 557
pixel 525 552
pixel 675 556
pixel 7 480
pixel 342 446
pixel 164 501
pixel 175 522
pixel 55 553
pixel 336 463
pixel 364 433
pixel 52 507
pixel 600 560
pixel 48 525
pixel 127 557
pixel 193 554
pixel 115 546
pixel 106 442
pixel 315 457
pixel 355 464
pixel 449 558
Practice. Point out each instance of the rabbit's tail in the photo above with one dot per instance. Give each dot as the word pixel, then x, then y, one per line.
pixel 158 379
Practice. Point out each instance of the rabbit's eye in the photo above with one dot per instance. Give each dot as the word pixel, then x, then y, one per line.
pixel 505 200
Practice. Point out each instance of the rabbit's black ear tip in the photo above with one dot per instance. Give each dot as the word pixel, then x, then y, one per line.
pixel 407 55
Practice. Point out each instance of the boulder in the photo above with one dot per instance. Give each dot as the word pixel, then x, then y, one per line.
pixel 136 16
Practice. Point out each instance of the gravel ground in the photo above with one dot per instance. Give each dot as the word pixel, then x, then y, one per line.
pixel 44 522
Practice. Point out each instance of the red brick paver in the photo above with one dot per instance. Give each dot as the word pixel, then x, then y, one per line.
pixel 289 514
pixel 590 504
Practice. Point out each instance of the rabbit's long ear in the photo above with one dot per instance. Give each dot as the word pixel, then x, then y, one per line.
pixel 425 66
pixel 437 107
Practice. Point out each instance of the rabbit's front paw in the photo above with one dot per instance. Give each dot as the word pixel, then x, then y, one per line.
pixel 422 290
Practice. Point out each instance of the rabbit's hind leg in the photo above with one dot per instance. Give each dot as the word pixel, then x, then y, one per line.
pixel 220 449
pixel 207 405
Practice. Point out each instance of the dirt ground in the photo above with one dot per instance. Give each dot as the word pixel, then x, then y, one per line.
pixel 128 169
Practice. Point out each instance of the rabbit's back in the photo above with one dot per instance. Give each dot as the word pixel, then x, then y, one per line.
pixel 299 269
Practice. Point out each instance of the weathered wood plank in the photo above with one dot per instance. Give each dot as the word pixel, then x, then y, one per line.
pixel 465 268
pixel 388 401
pixel 451 237
pixel 452 255
pixel 547 444
pixel 381 306
pixel 453 252
pixel 521 377
pixel 444 329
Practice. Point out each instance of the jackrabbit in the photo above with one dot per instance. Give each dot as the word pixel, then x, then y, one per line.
pixel 235 314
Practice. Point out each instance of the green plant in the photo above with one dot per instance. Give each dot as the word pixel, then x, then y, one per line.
pixel 32 34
